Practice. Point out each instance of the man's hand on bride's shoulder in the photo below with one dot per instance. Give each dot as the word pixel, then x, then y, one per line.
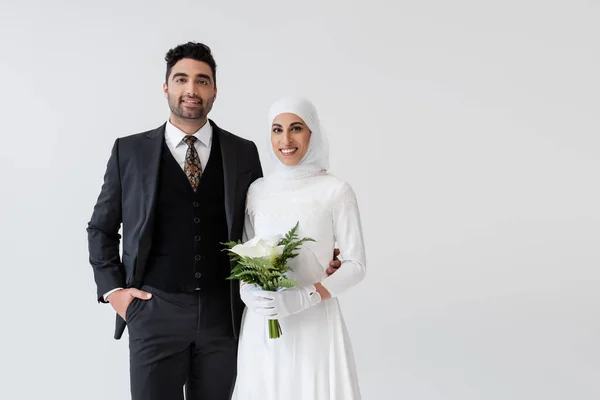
pixel 335 263
pixel 120 299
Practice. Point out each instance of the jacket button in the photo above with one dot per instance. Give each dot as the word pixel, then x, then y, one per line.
pixel 198 257
pixel 197 238
pixel 197 220
pixel 196 204
pixel 197 275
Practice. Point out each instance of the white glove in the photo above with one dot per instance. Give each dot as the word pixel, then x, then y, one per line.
pixel 247 291
pixel 286 302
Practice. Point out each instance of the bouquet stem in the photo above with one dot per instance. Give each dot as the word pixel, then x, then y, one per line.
pixel 274 329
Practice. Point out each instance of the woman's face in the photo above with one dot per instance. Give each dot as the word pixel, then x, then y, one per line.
pixel 289 138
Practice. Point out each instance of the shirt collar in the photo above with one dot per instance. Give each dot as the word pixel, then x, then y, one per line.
pixel 176 135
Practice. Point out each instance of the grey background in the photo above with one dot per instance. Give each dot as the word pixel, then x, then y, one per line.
pixel 468 129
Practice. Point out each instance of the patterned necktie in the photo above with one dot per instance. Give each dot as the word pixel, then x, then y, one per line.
pixel 192 166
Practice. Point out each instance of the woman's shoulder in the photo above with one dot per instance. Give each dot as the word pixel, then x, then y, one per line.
pixel 326 186
pixel 336 183
pixel 256 185
pixel 337 188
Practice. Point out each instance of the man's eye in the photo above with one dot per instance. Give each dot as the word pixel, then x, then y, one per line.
pixel 203 82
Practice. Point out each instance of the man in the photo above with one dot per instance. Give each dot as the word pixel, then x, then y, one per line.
pixel 178 191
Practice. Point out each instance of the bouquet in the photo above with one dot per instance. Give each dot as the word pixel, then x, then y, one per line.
pixel 263 262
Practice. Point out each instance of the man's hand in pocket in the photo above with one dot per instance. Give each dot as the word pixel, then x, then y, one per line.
pixel 120 299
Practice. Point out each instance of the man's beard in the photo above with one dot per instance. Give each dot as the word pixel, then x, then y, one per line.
pixel 198 112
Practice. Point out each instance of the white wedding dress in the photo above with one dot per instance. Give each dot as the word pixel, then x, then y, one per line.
pixel 313 359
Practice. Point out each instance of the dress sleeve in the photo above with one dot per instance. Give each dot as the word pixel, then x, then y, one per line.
pixel 347 228
pixel 248 232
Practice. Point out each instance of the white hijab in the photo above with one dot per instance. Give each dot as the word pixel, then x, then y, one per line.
pixel 316 159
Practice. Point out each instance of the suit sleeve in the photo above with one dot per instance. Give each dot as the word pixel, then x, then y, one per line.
pixel 257 171
pixel 248 232
pixel 103 231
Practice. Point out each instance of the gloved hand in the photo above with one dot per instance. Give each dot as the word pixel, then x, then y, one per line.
pixel 285 302
pixel 247 291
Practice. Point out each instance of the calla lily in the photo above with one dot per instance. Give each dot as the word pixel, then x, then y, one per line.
pixel 273 240
pixel 269 273
pixel 259 247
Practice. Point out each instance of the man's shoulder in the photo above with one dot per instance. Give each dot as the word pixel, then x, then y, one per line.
pixel 233 137
pixel 134 143
pixel 135 137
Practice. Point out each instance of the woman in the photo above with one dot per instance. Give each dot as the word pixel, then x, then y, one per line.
pixel 313 358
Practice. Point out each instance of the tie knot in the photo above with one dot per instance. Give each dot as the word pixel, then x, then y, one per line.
pixel 189 140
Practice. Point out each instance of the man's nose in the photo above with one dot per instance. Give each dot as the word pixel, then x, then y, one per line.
pixel 191 89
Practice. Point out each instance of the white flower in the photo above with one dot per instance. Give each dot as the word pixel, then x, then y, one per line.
pixel 259 247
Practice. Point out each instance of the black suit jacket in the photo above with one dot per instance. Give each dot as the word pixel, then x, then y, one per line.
pixel 128 198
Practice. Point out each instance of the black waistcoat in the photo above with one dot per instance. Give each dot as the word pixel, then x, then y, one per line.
pixel 186 254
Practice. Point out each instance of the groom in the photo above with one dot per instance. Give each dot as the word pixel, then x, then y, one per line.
pixel 178 191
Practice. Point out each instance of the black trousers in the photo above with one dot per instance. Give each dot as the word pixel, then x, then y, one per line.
pixel 170 348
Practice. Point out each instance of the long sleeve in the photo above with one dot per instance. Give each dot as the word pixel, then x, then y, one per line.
pixel 349 237
pixel 248 232
pixel 103 231
pixel 257 173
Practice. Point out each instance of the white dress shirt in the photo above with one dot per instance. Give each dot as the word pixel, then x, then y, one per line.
pixel 174 137
pixel 174 140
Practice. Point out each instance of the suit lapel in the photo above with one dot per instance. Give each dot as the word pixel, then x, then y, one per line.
pixel 229 157
pixel 150 164
pixel 151 155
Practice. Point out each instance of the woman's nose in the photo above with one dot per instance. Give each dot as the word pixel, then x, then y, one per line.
pixel 285 138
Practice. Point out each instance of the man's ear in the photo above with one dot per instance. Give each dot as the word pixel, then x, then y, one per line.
pixel 166 89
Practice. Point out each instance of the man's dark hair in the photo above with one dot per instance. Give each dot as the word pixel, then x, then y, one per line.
pixel 195 51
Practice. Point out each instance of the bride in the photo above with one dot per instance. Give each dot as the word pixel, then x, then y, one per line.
pixel 313 359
